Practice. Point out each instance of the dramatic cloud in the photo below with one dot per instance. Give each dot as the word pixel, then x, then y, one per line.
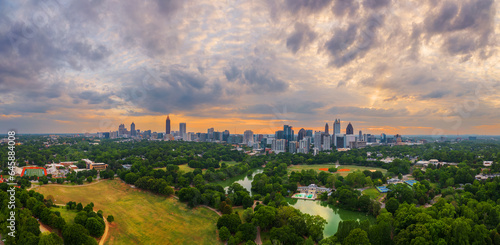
pixel 409 66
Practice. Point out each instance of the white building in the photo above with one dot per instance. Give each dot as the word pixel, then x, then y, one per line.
pixel 278 146
pixel 327 143
pixel 317 140
pixel 304 145
pixel 247 137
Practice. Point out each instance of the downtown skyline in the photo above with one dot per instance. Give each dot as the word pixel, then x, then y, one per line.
pixel 410 68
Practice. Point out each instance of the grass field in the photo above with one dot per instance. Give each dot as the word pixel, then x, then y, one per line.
pixel 351 168
pixel 372 192
pixel 141 217
pixel 240 211
pixel 68 215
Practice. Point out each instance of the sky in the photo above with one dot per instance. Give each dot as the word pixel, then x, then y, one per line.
pixel 407 67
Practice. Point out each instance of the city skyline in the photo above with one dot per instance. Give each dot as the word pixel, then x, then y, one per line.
pixel 407 67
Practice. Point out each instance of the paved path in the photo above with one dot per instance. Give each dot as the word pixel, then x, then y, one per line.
pixel 257 239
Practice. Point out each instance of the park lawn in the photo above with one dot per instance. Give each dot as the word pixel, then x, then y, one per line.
pixel 372 193
pixel 351 168
pixel 68 215
pixel 142 217
pixel 229 163
pixel 184 167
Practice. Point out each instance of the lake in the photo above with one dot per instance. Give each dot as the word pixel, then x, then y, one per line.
pixel 243 180
pixel 333 215
pixel 330 213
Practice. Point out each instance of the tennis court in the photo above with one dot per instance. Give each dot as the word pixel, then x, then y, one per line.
pixel 382 189
pixel 34 171
pixel 410 182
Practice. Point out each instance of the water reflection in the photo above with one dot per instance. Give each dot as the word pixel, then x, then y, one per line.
pixel 333 215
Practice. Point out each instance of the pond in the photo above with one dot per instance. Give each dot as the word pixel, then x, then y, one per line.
pixel 243 180
pixel 330 213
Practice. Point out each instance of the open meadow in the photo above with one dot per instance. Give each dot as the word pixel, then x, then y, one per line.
pixel 141 217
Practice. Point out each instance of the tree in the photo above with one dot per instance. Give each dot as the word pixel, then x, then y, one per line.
pixel 392 205
pixel 264 217
pixel 286 235
pixel 231 221
pixel 75 234
pixel 224 233
pixel 357 237
pixel 248 215
pixel 89 179
pixel 81 218
pixel 28 238
pixel 248 231
pixel 50 239
pixel 95 227
pixel 110 218
pixel 79 207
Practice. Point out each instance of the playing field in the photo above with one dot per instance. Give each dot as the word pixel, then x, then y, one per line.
pixel 34 172
pixel 141 217
pixel 320 167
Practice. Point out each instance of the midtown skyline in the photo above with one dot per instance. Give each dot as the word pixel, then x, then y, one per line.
pixel 412 67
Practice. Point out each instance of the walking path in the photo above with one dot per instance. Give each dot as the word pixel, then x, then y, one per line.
pixel 93 183
pixel 257 239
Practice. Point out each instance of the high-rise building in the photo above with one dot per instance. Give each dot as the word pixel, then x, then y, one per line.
pixel 292 146
pixel 182 130
pixel 349 129
pixel 360 136
pixel 304 145
pixel 122 130
pixel 317 140
pixel 327 131
pixel 278 145
pixel 301 135
pixel 132 129
pixel 383 138
pixel 288 133
pixel 340 139
pixel 327 142
pixel 225 135
pixel 247 137
pixel 280 134
pixel 210 134
pixel 309 133
pixel 336 127
pixel 167 125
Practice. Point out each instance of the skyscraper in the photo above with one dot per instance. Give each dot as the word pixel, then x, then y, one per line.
pixel 336 127
pixel 132 129
pixel 280 134
pixel 288 133
pixel 349 129
pixel 247 137
pixel 327 131
pixel 327 142
pixel 167 125
pixel 182 130
pixel 360 136
pixel 317 140
pixel 225 135
pixel 301 135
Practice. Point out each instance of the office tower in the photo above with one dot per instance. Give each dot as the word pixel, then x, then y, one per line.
pixel 340 141
pixel 167 125
pixel 317 140
pixel 132 129
pixel 247 137
pixel 182 130
pixel 327 131
pixel 383 138
pixel 301 135
pixel 349 129
pixel 360 136
pixel 121 130
pixel 292 146
pixel 225 135
pixel 280 134
pixel 210 134
pixel 288 133
pixel 309 133
pixel 348 139
pixel 327 142
pixel 336 127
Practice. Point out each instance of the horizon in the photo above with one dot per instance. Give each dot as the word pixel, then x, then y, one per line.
pixel 389 67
